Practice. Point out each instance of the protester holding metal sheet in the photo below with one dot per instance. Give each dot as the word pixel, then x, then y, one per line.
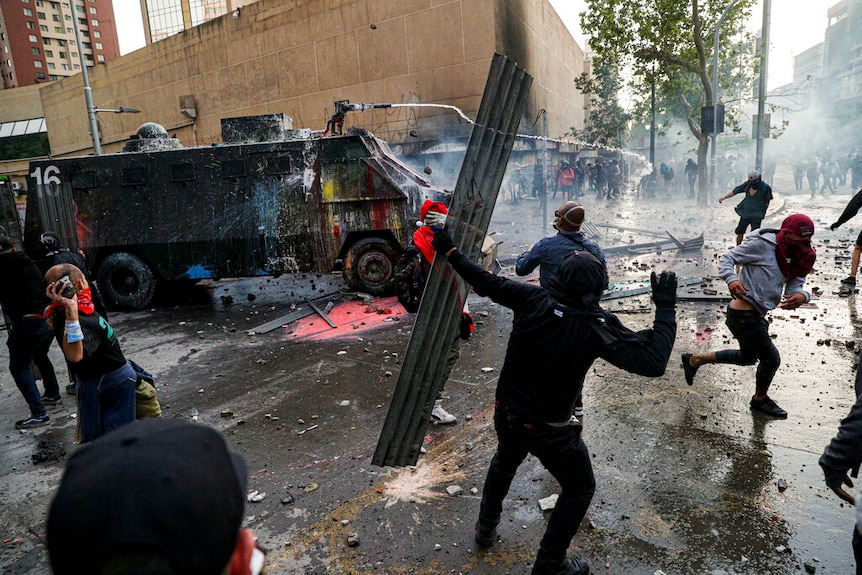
pixel 556 336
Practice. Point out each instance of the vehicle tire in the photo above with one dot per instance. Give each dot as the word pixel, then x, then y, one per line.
pixel 126 281
pixel 369 266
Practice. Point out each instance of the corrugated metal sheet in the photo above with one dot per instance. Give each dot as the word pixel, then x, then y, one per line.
pixel 476 191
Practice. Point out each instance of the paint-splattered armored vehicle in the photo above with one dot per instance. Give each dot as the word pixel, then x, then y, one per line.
pixel 295 202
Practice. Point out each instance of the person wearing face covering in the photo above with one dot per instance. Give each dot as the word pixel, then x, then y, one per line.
pixel 773 265
pixel 548 253
pixel 557 334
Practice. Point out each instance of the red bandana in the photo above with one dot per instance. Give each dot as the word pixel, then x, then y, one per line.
pixel 85 303
pixel 795 257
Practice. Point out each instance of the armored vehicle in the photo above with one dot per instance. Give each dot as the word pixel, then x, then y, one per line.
pixel 266 200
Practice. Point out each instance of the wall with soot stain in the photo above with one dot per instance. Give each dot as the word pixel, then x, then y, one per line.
pixel 298 56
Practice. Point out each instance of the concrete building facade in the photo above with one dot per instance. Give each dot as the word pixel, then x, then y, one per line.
pixel 299 56
pixel 37 39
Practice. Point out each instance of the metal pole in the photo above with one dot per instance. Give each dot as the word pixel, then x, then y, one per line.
pixel 88 93
pixel 544 171
pixel 652 122
pixel 761 96
pixel 714 134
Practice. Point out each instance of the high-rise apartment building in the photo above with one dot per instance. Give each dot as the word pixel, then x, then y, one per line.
pixel 37 38
pixel 163 18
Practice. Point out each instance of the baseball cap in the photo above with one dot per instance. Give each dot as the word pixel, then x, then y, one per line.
pixel 753 175
pixel 168 487
pixel 798 224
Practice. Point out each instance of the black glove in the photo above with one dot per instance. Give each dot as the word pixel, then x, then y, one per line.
pixel 833 226
pixel 663 289
pixel 442 241
pixel 467 326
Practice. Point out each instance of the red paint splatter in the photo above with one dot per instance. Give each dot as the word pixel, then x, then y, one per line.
pixel 352 318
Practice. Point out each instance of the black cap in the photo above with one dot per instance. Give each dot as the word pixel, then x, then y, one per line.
pixel 6 244
pixel 166 486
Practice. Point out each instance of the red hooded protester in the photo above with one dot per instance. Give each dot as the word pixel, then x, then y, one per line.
pixel 766 271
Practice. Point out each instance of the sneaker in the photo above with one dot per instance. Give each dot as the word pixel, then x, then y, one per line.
pixel 688 369
pixel 850 281
pixel 769 407
pixel 485 534
pixel 32 422
pixel 72 389
pixel 440 415
pixel 569 566
pixel 579 411
pixel 56 400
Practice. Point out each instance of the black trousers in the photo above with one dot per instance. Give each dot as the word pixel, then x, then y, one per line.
pixel 751 330
pixel 564 455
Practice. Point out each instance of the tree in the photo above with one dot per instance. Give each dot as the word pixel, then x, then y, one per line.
pixel 606 121
pixel 669 42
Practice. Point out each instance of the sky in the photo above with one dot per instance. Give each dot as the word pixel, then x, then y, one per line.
pixel 796 25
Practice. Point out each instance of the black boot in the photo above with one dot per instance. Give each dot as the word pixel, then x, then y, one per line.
pixel 569 566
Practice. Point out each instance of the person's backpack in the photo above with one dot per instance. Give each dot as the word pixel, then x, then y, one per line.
pixel 411 273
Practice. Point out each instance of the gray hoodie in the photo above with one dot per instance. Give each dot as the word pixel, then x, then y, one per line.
pixel 759 271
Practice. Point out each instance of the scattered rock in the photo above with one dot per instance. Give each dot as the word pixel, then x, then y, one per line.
pixel 353 539
pixel 809 568
pixel 549 502
pixel 782 485
pixel 454 490
pixel 255 496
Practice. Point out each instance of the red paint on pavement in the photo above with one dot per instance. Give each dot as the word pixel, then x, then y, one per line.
pixel 352 319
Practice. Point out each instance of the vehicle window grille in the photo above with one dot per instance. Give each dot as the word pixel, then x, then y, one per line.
pixel 182 172
pixel 134 176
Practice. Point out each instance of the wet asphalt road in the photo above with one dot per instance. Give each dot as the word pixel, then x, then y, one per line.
pixel 689 480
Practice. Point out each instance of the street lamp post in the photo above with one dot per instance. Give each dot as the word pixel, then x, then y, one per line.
pixel 714 133
pixel 88 93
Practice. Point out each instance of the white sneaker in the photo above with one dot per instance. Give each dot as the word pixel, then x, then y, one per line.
pixel 440 415
pixel 579 411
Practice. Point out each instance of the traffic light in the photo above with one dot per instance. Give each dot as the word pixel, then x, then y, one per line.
pixel 707 123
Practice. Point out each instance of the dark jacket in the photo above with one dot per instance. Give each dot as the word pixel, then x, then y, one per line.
pixel 549 253
pixel 22 287
pixel 753 206
pixel 552 347
pixel 851 210
pixel 845 452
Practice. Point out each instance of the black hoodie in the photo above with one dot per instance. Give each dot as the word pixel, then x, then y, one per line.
pixel 22 287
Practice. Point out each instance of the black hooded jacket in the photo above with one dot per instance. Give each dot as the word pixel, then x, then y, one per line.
pixel 22 287
pixel 552 346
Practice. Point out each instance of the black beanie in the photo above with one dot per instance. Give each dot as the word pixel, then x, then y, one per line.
pixel 580 274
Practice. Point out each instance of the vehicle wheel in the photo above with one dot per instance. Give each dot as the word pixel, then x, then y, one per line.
pixel 369 266
pixel 126 281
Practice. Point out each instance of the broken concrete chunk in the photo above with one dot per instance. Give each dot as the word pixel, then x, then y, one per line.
pixel 548 502
pixel 487 369
pixel 256 496
pixel 353 539
pixel 782 485
pixel 454 490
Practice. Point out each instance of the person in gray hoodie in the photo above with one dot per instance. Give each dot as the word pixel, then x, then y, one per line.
pixel 773 265
pixel 842 454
